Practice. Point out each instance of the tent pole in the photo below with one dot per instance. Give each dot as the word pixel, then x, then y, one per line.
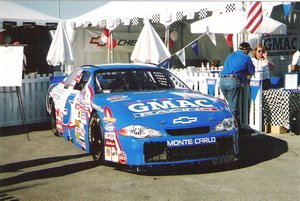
pixel 112 47
pixel 168 37
pixel 108 52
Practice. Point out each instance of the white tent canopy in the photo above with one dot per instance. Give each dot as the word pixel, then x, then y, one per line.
pixel 124 11
pixel 234 23
pixel 115 13
pixel 12 11
pixel 149 47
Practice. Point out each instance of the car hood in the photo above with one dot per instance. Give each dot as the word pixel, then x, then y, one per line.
pixel 168 108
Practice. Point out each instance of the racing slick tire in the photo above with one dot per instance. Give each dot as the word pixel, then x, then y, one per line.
pixel 53 119
pixel 96 141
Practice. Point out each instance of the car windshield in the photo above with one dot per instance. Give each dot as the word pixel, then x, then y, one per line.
pixel 109 81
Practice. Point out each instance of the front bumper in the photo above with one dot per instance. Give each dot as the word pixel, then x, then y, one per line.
pixel 159 152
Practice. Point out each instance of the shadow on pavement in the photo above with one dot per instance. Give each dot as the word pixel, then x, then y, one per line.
pixel 45 173
pixel 260 148
pixel 14 167
pixel 21 129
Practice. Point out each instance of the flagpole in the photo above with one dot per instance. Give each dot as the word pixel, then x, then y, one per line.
pixel 187 45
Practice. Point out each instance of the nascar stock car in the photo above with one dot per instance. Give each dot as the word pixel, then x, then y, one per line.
pixel 141 116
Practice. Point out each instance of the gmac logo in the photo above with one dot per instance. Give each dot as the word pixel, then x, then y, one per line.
pixel 184 120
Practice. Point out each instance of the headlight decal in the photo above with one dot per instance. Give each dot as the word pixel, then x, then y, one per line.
pixel 227 124
pixel 139 131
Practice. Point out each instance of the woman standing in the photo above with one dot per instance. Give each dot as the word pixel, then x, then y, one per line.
pixel 262 64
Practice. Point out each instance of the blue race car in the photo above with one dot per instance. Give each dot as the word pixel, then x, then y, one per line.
pixel 141 116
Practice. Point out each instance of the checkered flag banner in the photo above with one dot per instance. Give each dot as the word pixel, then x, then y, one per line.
pixel 179 15
pixel 117 22
pixel 135 21
pixel 155 18
pixel 175 25
pixel 103 23
pixel 202 13
pixel 230 8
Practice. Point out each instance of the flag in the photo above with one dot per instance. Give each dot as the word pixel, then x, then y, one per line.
pixel 254 17
pixel 229 39
pixel 165 63
pixel 287 8
pixel 212 37
pixel 195 47
pixel 181 56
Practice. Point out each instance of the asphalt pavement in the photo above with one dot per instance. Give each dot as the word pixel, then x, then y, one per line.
pixel 46 167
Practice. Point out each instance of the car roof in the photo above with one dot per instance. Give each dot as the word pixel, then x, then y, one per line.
pixel 119 66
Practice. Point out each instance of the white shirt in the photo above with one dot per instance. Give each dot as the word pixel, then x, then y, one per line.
pixel 261 66
pixel 296 58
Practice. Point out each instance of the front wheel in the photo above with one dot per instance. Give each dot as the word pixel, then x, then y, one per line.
pixel 96 138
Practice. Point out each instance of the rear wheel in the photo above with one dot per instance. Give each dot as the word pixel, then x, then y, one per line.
pixel 96 138
pixel 53 119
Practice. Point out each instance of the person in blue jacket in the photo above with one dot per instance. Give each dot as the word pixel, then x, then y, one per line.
pixel 237 66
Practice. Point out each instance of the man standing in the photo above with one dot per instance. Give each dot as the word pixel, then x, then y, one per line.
pixel 237 67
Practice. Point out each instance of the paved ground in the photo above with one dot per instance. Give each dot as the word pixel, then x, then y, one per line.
pixel 49 168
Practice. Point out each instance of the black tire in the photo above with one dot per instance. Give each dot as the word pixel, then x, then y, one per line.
pixel 96 140
pixel 53 119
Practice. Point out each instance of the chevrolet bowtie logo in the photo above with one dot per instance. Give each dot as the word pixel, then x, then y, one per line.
pixel 184 120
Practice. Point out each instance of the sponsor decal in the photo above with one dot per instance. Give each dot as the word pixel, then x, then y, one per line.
pixel 113 138
pixel 117 98
pixel 77 134
pixel 255 83
pixel 109 127
pixel 108 153
pixel 149 113
pixel 168 106
pixel 77 123
pixel 114 154
pixel 184 120
pixel 110 119
pixel 280 45
pixel 211 84
pixel 109 135
pixel 83 119
pixel 122 157
pixel 80 142
pixel 152 105
pixel 195 141
pixel 211 81
pixel 110 143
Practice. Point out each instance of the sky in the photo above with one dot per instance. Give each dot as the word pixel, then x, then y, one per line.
pixel 62 9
